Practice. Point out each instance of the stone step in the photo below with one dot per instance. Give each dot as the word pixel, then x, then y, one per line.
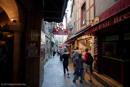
pixel 106 81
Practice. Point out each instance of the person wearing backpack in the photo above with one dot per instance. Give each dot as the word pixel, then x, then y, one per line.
pixel 87 63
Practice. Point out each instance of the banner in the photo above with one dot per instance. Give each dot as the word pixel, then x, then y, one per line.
pixel 58 31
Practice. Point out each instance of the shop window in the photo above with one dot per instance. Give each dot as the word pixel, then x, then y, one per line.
pixel 83 14
pixel 116 47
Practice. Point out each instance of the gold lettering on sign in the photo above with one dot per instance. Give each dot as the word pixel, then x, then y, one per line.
pixel 115 19
pixel 127 15
pixel 94 29
pixel 108 23
pixel 120 18
pixel 104 24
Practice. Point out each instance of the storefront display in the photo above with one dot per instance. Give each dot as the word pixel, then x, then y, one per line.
pixel 95 53
pixel 86 41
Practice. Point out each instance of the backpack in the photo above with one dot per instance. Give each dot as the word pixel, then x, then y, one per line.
pixel 89 59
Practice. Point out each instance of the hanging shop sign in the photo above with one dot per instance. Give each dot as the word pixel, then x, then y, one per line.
pixel 59 31
pixel 121 16
pixel 50 30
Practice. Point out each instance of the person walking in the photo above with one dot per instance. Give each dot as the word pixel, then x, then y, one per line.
pixel 86 66
pixel 65 58
pixel 75 54
pixel 58 52
pixel 61 54
pixel 54 53
pixel 79 68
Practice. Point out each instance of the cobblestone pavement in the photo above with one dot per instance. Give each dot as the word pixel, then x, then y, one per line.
pixel 54 77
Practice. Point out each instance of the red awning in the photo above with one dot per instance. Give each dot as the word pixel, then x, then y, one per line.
pixel 69 40
pixel 114 19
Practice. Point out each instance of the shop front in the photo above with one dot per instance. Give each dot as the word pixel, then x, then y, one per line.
pixel 112 39
pixel 85 42
pixel 115 51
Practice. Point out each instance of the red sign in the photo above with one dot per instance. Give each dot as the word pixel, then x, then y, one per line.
pixel 119 6
pixel 121 16
pixel 60 31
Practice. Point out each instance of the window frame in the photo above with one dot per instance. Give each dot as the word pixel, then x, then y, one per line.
pixel 83 14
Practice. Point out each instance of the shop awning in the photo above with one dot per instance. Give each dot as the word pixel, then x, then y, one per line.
pixel 114 19
pixel 54 10
pixel 78 34
pixel 69 41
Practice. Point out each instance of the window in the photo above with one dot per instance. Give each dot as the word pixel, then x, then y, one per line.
pixel 83 14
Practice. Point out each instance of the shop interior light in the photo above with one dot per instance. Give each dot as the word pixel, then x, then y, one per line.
pixel 87 36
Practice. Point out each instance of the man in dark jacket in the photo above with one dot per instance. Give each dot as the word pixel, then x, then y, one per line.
pixel 79 68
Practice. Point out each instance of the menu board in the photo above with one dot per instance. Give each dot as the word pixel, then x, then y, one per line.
pixel 33 38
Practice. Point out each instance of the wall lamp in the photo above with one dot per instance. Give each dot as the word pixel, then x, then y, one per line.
pixel 13 20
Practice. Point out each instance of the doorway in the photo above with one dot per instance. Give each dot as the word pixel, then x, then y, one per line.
pixel 6 56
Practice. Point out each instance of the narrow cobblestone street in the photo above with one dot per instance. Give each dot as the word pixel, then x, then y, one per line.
pixel 54 77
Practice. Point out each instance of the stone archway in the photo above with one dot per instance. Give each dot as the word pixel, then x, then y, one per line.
pixel 11 9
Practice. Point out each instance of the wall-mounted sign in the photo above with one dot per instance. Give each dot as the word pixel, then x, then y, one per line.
pixel 121 16
pixel 96 20
pixel 32 45
pixel 33 52
pixel 112 38
pixel 119 6
pixel 34 36
pixel 127 36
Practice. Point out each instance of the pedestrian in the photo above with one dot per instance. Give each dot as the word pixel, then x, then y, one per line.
pixel 54 53
pixel 61 54
pixel 75 54
pixel 72 53
pixel 65 58
pixel 79 68
pixel 58 52
pixel 86 66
